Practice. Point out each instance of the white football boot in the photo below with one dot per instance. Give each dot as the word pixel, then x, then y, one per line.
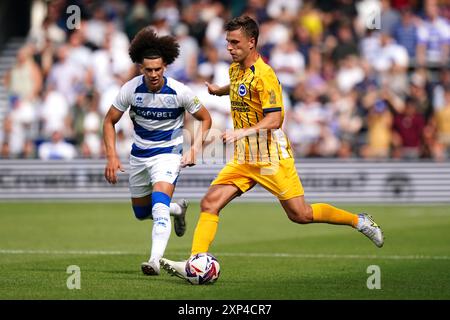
pixel 150 268
pixel 179 221
pixel 175 268
pixel 368 227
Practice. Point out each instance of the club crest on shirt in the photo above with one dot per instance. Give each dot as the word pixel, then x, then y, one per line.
pixel 242 90
pixel 169 100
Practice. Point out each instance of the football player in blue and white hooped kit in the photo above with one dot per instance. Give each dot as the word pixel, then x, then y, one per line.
pixel 157 105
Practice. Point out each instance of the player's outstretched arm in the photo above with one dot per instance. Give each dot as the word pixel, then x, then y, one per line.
pixel 215 90
pixel 109 137
pixel 204 117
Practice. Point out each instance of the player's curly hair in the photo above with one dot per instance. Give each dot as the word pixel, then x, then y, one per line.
pixel 147 44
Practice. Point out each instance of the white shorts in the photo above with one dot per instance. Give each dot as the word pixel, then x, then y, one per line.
pixel 145 172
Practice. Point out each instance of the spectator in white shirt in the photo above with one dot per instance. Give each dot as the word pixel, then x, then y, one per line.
pixel 56 149
pixel 65 77
pixel 392 64
pixel 433 37
pixel 92 145
pixel 54 112
pixel 288 63
pixel 349 74
pixel 79 54
pixel 184 68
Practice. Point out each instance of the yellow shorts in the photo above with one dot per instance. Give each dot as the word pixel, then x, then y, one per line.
pixel 281 180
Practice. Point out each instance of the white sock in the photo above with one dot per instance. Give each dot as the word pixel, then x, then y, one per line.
pixel 161 231
pixel 175 209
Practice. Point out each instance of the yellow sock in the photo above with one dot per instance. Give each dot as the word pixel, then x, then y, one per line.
pixel 204 232
pixel 323 212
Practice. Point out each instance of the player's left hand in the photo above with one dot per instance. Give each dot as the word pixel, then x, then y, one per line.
pixel 232 136
pixel 188 159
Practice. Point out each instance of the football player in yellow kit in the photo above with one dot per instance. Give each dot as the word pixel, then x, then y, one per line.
pixel 262 151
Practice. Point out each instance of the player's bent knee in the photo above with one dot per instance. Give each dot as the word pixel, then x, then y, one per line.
pixel 207 205
pixel 142 212
pixel 298 219
pixel 303 216
pixel 304 220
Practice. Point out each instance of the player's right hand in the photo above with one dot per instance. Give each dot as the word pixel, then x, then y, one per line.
pixel 212 88
pixel 111 168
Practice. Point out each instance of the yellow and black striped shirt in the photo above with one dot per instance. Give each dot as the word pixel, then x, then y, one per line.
pixel 255 92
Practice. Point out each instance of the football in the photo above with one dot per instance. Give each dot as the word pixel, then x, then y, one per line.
pixel 202 268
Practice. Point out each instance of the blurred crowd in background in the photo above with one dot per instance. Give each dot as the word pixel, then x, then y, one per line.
pixel 356 84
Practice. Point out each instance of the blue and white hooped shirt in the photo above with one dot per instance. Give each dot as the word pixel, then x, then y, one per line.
pixel 157 117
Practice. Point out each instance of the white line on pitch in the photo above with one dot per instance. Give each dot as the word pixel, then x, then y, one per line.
pixel 333 256
pixel 65 252
pixel 234 254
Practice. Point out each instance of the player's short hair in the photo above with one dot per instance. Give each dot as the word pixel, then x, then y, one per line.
pixel 248 25
pixel 147 44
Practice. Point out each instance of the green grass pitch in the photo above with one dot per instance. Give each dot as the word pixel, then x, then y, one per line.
pixel 262 254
